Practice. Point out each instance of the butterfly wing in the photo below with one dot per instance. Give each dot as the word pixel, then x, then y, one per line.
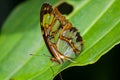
pixel 62 39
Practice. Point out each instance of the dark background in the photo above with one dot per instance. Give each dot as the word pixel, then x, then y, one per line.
pixel 106 68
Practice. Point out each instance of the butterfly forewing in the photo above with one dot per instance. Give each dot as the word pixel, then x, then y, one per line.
pixel 62 39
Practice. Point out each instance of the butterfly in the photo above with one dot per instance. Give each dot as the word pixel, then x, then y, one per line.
pixel 62 39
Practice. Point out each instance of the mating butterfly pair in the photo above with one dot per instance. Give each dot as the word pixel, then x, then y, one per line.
pixel 62 39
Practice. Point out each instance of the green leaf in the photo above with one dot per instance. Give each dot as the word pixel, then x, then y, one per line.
pixel 97 21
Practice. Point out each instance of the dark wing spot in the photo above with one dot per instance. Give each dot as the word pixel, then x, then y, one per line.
pixel 73 29
pixel 79 38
